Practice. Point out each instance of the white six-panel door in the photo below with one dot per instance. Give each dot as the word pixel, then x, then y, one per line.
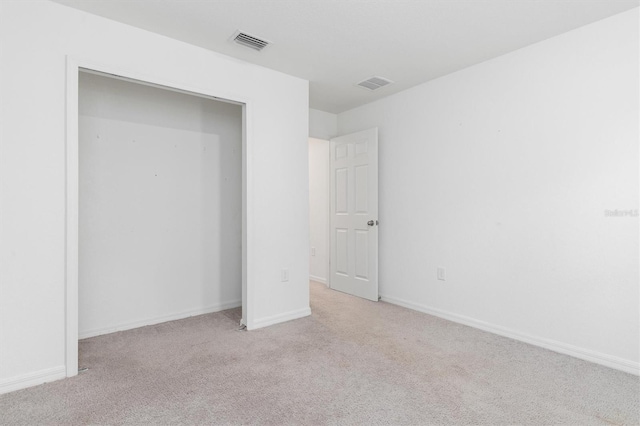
pixel 354 214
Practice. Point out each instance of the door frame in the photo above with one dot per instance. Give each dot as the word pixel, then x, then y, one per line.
pixel 76 65
pixel 328 211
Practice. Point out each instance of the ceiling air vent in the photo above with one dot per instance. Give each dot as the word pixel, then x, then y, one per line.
pixel 374 83
pixel 250 41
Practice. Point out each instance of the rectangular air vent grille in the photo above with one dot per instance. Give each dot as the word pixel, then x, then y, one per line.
pixel 250 41
pixel 374 83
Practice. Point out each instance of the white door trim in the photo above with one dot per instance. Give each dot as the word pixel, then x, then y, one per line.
pixel 327 263
pixel 73 66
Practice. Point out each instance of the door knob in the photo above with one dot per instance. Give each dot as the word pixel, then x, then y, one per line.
pixel 370 223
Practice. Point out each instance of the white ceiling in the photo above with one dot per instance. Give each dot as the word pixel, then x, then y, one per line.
pixel 337 43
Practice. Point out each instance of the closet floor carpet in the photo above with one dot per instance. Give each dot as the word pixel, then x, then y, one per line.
pixel 351 362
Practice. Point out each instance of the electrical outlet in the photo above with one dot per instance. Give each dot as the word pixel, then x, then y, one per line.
pixel 313 251
pixel 284 275
pixel 441 273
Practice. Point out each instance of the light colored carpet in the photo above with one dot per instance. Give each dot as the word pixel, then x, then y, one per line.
pixel 351 362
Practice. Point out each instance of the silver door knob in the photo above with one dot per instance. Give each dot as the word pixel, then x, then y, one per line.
pixel 370 223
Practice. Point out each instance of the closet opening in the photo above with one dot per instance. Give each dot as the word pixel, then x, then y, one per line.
pixel 160 207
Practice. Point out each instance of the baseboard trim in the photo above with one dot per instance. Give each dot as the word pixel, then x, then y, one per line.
pixel 585 354
pixel 276 319
pixel 318 279
pixel 32 379
pixel 151 321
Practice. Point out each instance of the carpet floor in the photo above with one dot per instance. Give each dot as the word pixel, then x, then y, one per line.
pixel 351 362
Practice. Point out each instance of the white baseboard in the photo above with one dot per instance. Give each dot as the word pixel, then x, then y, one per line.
pixel 276 319
pixel 564 348
pixel 318 279
pixel 32 379
pixel 157 320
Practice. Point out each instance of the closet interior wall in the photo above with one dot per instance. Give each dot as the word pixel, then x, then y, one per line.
pixel 160 205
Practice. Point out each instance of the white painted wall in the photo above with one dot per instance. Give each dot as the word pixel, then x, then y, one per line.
pixel 35 38
pixel 322 125
pixel 501 173
pixel 319 209
pixel 160 205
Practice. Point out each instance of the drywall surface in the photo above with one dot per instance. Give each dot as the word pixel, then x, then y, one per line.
pixel 35 39
pixel 160 205
pixel 503 174
pixel 322 125
pixel 318 209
